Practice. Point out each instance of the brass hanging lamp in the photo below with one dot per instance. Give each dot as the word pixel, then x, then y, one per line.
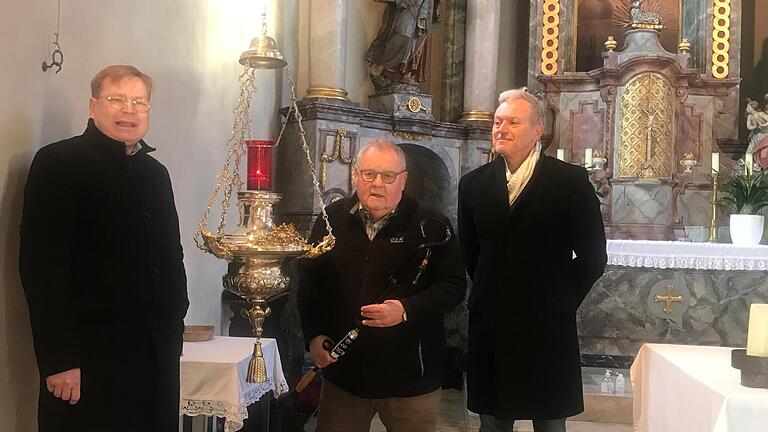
pixel 257 247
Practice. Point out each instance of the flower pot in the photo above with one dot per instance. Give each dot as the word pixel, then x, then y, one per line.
pixel 746 229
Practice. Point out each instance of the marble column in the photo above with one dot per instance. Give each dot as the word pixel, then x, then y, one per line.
pixel 327 49
pixel 481 60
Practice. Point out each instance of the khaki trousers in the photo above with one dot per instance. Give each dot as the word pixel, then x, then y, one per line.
pixel 340 411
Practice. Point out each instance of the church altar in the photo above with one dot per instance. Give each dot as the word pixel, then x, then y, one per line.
pixel 213 378
pixel 652 104
pixel 693 388
pixel 670 292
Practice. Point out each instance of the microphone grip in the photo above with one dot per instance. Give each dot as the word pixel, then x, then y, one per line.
pixel 306 379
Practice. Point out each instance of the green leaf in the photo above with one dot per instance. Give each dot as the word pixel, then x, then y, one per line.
pixel 745 194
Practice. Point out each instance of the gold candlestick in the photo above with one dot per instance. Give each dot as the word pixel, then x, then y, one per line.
pixel 713 225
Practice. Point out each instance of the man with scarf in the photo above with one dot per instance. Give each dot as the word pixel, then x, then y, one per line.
pixel 534 244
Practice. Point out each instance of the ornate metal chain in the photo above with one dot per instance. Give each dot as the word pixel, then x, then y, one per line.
pixel 315 183
pixel 236 149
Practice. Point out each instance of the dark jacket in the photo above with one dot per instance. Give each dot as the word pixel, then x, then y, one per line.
pixel 524 357
pixel 399 361
pixel 101 265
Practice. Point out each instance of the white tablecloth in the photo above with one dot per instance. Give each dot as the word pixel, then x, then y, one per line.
pixel 687 255
pixel 683 388
pixel 213 378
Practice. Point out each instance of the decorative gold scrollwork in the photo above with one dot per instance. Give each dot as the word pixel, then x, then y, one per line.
pixel 550 37
pixel 721 33
pixel 338 154
pixel 414 104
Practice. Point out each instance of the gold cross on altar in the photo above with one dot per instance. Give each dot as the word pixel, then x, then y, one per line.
pixel 668 299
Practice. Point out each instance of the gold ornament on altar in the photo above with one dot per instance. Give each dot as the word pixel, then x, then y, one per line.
pixel 668 299
pixel 599 160
pixel 721 33
pixel 610 44
pixel 688 162
pixel 646 128
pixel 550 37
pixel 713 223
pixel 633 16
pixel 684 46
pixel 257 248
pixel 414 104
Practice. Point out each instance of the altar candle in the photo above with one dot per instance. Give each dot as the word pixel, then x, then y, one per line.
pixel 757 334
pixel 715 163
pixel 748 164
pixel 561 154
pixel 588 157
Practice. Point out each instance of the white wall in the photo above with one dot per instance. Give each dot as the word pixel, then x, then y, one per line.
pixel 190 48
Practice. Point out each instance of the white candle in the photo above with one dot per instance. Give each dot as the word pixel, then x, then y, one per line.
pixel 561 154
pixel 757 334
pixel 715 163
pixel 588 157
pixel 748 164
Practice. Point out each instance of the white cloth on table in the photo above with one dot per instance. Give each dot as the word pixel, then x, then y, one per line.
pixel 686 255
pixel 693 388
pixel 213 377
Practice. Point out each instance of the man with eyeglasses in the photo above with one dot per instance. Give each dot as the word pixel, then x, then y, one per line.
pixel 102 267
pixel 379 278
pixel 533 241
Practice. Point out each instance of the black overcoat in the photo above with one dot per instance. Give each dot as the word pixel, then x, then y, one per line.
pixel 101 265
pixel 399 361
pixel 523 347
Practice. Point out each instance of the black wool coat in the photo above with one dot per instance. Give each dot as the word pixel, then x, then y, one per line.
pixel 399 361
pixel 523 359
pixel 101 265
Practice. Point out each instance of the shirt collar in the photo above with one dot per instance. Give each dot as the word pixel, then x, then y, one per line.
pixel 136 149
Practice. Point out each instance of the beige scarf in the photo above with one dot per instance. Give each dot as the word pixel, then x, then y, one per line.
pixel 516 181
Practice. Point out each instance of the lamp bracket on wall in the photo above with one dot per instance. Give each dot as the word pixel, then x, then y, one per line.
pixel 57 56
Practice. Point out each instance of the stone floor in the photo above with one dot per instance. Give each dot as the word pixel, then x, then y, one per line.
pixel 454 416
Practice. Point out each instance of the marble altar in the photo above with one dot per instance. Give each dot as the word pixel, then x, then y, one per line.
pixel 715 283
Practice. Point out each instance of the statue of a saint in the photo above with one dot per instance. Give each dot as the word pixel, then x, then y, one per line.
pixel 398 54
pixel 757 124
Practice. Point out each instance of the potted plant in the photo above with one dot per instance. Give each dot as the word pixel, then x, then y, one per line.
pixel 746 195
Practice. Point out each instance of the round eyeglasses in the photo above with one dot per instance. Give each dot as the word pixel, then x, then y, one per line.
pixel 387 177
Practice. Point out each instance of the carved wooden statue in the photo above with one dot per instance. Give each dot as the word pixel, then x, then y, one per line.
pixel 399 53
pixel 757 124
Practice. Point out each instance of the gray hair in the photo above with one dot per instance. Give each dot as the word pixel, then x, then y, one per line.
pixel 382 144
pixel 537 107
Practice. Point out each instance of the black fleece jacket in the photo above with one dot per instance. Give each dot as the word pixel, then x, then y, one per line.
pixel 399 361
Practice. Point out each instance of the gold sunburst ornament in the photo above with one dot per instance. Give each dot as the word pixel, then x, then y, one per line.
pixel 639 14
pixel 256 248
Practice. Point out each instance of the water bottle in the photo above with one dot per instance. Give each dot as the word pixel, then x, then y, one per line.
pixel 620 384
pixel 607 386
